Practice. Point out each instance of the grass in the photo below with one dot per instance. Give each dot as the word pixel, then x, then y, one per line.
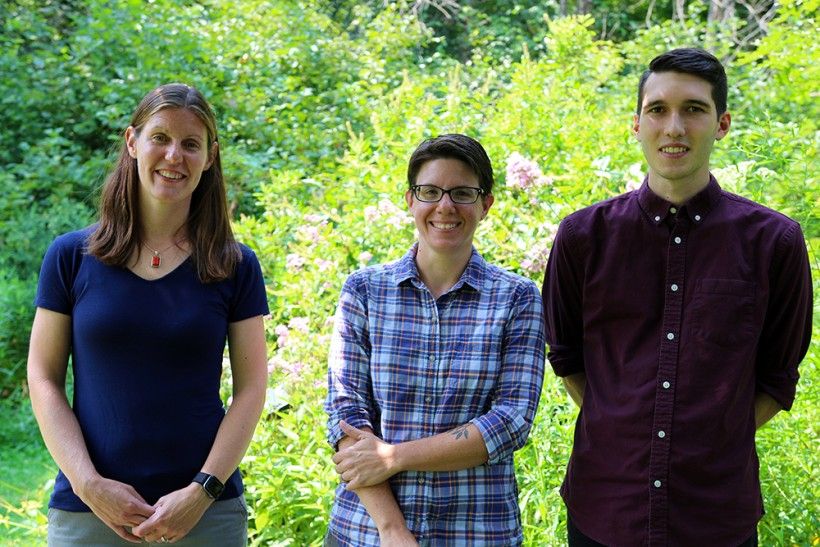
pixel 26 474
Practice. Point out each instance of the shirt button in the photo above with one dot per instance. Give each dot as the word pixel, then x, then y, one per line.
pixel 670 336
pixel 421 480
pixel 661 434
pixel 678 240
pixel 697 218
pixel 666 385
pixel 657 484
pixel 674 287
pixel 431 359
pixel 428 399
pixel 657 218
pixel 673 210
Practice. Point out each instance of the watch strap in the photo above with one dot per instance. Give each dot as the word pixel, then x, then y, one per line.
pixel 213 486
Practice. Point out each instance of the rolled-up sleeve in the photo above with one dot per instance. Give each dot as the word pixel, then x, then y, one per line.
pixel 786 332
pixel 507 425
pixel 563 304
pixel 350 390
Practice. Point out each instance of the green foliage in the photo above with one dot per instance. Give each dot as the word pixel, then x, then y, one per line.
pixel 27 474
pixel 16 296
pixel 319 109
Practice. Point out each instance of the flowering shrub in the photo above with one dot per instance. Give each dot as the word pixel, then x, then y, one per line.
pixel 560 139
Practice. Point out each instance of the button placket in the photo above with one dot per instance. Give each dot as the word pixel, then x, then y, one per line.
pixel 660 444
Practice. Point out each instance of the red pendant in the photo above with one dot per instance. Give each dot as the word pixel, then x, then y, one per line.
pixel 155 261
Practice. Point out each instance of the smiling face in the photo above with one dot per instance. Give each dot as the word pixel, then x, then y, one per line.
pixel 171 150
pixel 447 228
pixel 677 127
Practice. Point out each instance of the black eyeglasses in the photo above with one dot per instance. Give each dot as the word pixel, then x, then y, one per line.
pixel 460 194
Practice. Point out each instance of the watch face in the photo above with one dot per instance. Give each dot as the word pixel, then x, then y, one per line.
pixel 213 487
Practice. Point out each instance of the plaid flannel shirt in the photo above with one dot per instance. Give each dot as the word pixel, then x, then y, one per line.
pixel 410 366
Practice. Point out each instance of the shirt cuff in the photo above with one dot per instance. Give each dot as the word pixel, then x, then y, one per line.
pixel 566 361
pixel 504 431
pixel 357 419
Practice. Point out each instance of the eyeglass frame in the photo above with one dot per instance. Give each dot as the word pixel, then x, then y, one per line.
pixel 479 192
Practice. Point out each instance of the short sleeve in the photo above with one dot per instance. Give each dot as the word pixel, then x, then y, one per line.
pixel 249 298
pixel 57 273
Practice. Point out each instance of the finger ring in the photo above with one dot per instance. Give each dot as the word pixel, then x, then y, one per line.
pixel 163 539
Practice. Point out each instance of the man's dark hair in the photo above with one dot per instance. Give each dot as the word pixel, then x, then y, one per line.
pixel 453 146
pixel 696 62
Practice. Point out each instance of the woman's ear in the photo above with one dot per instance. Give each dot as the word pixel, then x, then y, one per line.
pixel 131 141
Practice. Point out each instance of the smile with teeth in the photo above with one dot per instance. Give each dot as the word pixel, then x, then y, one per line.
pixel 170 174
pixel 673 149
pixel 444 225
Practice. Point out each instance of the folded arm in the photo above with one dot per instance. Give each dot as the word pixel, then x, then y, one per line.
pixel 488 438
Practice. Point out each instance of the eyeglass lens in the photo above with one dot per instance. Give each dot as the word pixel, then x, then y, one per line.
pixel 460 194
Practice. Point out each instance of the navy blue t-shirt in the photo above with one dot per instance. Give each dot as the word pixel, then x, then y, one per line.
pixel 147 360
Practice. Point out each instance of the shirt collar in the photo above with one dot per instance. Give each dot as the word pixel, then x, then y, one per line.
pixel 474 274
pixel 697 208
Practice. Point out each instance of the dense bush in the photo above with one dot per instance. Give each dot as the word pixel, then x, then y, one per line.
pixel 319 110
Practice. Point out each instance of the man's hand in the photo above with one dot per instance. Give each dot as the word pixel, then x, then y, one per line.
pixel 367 462
pixel 117 504
pixel 175 514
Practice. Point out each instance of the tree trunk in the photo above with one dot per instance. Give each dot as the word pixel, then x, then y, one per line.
pixel 679 10
pixel 584 7
pixel 721 10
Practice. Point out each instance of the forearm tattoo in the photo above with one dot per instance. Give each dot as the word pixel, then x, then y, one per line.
pixel 461 431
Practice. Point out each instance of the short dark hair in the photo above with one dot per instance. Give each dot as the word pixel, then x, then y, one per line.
pixel 453 146
pixel 696 62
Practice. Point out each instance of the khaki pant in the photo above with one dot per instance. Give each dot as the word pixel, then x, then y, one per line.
pixel 224 524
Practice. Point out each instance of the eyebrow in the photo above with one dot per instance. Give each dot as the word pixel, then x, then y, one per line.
pixel 164 129
pixel 687 102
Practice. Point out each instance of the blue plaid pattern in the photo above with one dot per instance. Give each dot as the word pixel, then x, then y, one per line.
pixel 409 366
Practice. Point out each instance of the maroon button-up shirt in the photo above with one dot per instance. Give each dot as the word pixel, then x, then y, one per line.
pixel 678 317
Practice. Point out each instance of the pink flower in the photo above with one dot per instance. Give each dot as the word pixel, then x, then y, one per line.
pixel 315 219
pixel 634 177
pixel 323 264
pixel 365 257
pixel 282 333
pixel 294 262
pixel 536 260
pixel 308 232
pixel 371 213
pixel 524 173
pixel 302 324
pixel 294 368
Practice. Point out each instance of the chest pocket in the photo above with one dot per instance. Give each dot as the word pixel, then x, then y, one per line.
pixel 722 317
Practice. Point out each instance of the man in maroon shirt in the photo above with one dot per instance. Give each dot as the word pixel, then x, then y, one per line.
pixel 676 315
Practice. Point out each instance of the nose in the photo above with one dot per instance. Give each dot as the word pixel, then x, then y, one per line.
pixel 446 203
pixel 674 125
pixel 173 153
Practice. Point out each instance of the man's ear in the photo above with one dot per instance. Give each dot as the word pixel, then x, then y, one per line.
pixel 408 198
pixel 724 122
pixel 636 125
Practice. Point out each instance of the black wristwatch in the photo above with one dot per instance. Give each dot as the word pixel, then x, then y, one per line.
pixel 212 486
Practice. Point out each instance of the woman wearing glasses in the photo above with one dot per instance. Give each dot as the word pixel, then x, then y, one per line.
pixel 435 372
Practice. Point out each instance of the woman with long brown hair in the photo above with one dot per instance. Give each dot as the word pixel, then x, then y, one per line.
pixel 143 303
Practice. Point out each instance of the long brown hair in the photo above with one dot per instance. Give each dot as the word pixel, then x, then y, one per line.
pixel 214 250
